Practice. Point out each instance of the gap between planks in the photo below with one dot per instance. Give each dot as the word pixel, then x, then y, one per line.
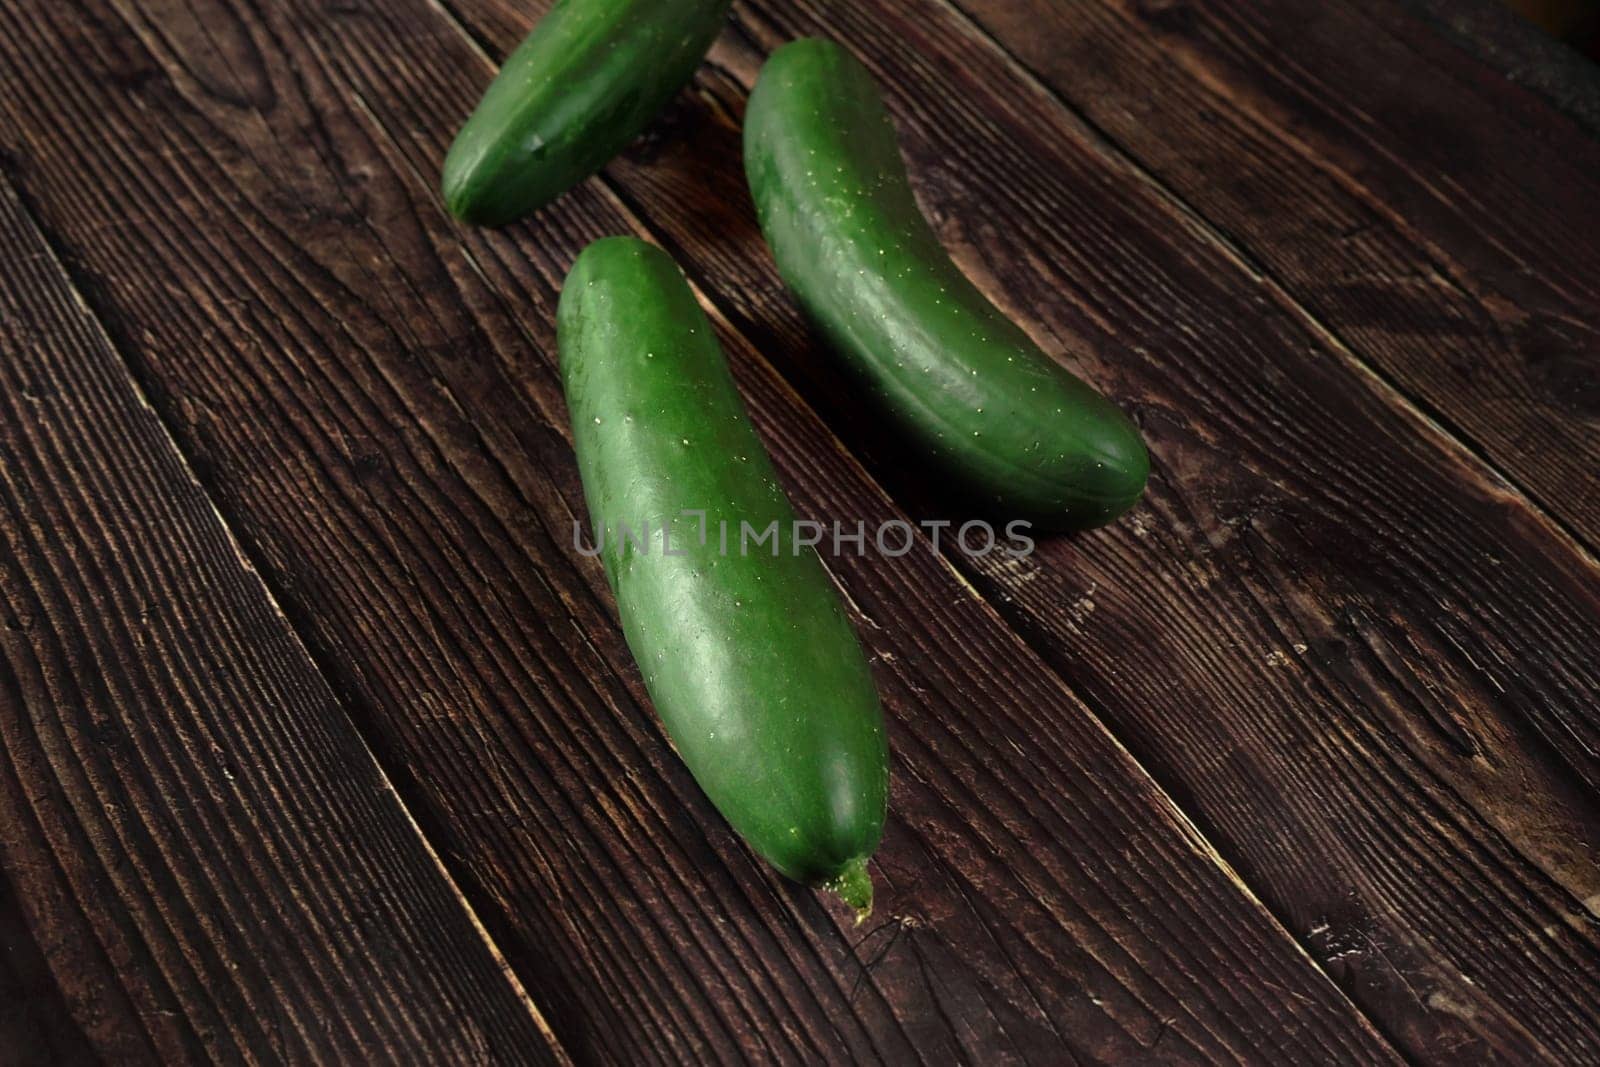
pixel 74 285
pixel 1197 839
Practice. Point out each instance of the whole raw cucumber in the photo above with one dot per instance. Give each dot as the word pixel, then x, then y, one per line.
pixel 584 83
pixel 1010 425
pixel 744 646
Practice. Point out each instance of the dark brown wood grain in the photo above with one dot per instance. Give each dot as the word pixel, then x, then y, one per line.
pixel 201 860
pixel 1330 632
pixel 1422 211
pixel 1492 35
pixel 36 1023
pixel 371 392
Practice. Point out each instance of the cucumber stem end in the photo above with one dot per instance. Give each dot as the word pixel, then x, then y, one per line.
pixel 854 886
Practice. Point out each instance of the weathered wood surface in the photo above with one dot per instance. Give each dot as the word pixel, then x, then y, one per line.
pixel 1325 590
pixel 1435 220
pixel 36 1023
pixel 371 392
pixel 197 846
pixel 1496 38
pixel 1362 662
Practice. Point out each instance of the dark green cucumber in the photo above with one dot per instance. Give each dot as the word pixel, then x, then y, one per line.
pixel 744 646
pixel 584 83
pixel 1011 426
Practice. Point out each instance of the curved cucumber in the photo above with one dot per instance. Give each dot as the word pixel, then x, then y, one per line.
pixel 1009 424
pixel 584 83
pixel 745 649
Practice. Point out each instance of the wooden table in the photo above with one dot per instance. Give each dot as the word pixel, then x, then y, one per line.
pixel 319 740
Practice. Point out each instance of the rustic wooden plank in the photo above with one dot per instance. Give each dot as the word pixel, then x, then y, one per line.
pixel 198 846
pixel 373 393
pixel 1493 35
pixel 1434 218
pixel 1324 631
pixel 36 1024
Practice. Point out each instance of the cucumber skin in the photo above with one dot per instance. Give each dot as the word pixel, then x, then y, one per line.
pixel 587 80
pixel 751 662
pixel 1015 430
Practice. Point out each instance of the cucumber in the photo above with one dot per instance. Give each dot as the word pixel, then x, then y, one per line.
pixel 999 418
pixel 584 83
pixel 748 657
